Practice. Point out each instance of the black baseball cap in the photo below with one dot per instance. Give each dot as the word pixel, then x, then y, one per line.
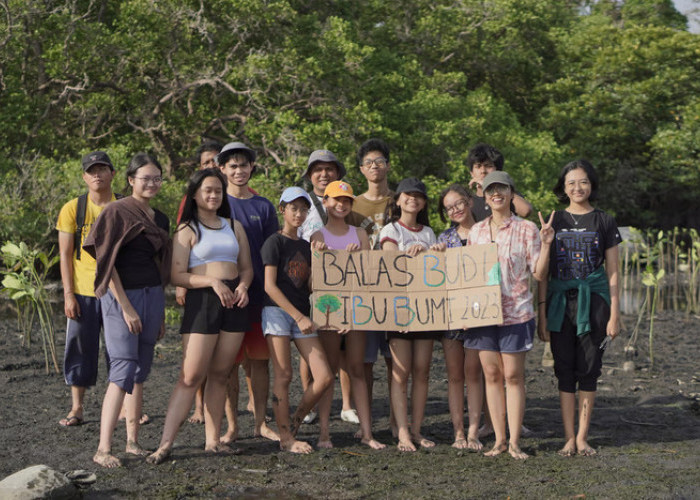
pixel 96 158
pixel 411 185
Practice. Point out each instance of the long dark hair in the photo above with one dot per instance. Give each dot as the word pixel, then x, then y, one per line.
pixel 584 165
pixel 456 188
pixel 189 211
pixel 393 212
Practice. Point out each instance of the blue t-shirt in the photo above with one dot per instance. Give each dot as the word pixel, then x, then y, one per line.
pixel 259 219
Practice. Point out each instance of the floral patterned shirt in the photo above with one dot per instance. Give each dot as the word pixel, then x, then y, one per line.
pixel 450 237
pixel 518 243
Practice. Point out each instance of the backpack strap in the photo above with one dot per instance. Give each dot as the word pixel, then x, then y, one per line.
pixel 79 223
pixel 80 213
pixel 319 207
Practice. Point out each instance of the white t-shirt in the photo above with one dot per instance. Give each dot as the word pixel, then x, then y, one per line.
pixel 405 237
pixel 312 224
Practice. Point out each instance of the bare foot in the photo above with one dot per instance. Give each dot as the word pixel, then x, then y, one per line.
pixel 251 406
pixel 569 449
pixel 221 449
pixel 267 433
pixel 485 430
pixel 584 449
pixel 159 456
pixel 516 452
pixel 374 444
pixel 496 450
pixel 358 434
pixel 324 443
pixel 106 460
pixel 230 437
pixel 134 448
pixel 145 419
pixel 526 433
pixel 406 445
pixel 474 444
pixel 294 446
pixel 422 441
pixel 460 443
pixel 197 417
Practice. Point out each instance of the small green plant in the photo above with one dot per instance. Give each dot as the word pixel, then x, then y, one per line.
pixel 652 280
pixel 173 316
pixel 24 283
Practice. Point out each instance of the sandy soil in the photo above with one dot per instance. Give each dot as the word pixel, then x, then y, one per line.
pixel 646 428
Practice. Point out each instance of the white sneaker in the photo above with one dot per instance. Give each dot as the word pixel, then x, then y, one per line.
pixel 349 416
pixel 310 418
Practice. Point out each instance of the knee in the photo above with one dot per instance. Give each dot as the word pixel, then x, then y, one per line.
pixel 356 370
pixel 324 380
pixel 191 380
pixel 421 373
pixel 492 374
pixel 283 377
pixel 514 378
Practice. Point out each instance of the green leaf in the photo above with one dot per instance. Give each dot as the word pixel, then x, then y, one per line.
pixel 14 282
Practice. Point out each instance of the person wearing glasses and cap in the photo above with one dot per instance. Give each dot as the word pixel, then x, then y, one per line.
pixel 502 348
pixel 286 318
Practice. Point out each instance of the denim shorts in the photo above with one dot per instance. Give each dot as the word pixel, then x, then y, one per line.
pixel 276 321
pixel 501 338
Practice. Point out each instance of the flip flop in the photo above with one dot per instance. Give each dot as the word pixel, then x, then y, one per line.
pixel 71 421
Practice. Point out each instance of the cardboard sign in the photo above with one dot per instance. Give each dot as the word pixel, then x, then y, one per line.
pixel 392 291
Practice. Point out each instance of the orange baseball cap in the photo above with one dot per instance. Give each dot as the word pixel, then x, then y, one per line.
pixel 338 189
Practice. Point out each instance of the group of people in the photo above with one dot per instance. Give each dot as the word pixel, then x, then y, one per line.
pixel 244 282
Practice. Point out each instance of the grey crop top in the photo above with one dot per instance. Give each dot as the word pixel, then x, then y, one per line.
pixel 214 245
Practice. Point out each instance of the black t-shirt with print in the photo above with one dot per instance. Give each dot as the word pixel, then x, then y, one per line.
pixel 293 261
pixel 580 243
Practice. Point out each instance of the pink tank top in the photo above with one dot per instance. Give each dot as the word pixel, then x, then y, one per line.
pixel 334 242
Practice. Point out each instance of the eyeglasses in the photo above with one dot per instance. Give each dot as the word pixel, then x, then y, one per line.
pixel 457 207
pixel 380 162
pixel 494 189
pixel 148 180
pixel 297 210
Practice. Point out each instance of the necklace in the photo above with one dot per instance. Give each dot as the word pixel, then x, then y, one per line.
pixel 210 227
pixel 574 220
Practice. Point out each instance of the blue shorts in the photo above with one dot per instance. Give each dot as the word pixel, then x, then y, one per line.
pixel 276 321
pixel 376 342
pixel 131 355
pixel 82 352
pixel 501 338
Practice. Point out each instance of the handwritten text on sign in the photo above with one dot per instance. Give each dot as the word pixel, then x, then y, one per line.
pixel 392 291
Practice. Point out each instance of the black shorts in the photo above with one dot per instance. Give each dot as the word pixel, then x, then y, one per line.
pixel 205 314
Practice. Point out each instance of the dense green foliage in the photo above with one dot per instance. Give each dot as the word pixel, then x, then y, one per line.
pixel 546 81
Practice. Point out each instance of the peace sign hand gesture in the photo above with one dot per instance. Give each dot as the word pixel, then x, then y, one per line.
pixel 546 232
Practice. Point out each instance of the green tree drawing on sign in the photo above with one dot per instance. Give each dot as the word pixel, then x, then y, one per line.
pixel 328 304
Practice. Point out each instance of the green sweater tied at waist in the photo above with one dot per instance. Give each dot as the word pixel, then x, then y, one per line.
pixel 596 282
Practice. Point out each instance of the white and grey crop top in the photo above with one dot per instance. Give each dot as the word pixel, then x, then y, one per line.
pixel 214 245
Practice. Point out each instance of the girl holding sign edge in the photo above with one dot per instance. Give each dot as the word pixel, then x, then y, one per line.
pixel 287 260
pixel 502 348
pixel 407 229
pixel 338 235
pixel 583 308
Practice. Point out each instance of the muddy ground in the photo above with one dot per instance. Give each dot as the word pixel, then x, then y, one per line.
pixel 646 428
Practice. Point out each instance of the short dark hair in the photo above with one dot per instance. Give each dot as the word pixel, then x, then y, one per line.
pixel 206 146
pixel 457 188
pixel 189 208
pixel 485 153
pixel 586 166
pixel 372 145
